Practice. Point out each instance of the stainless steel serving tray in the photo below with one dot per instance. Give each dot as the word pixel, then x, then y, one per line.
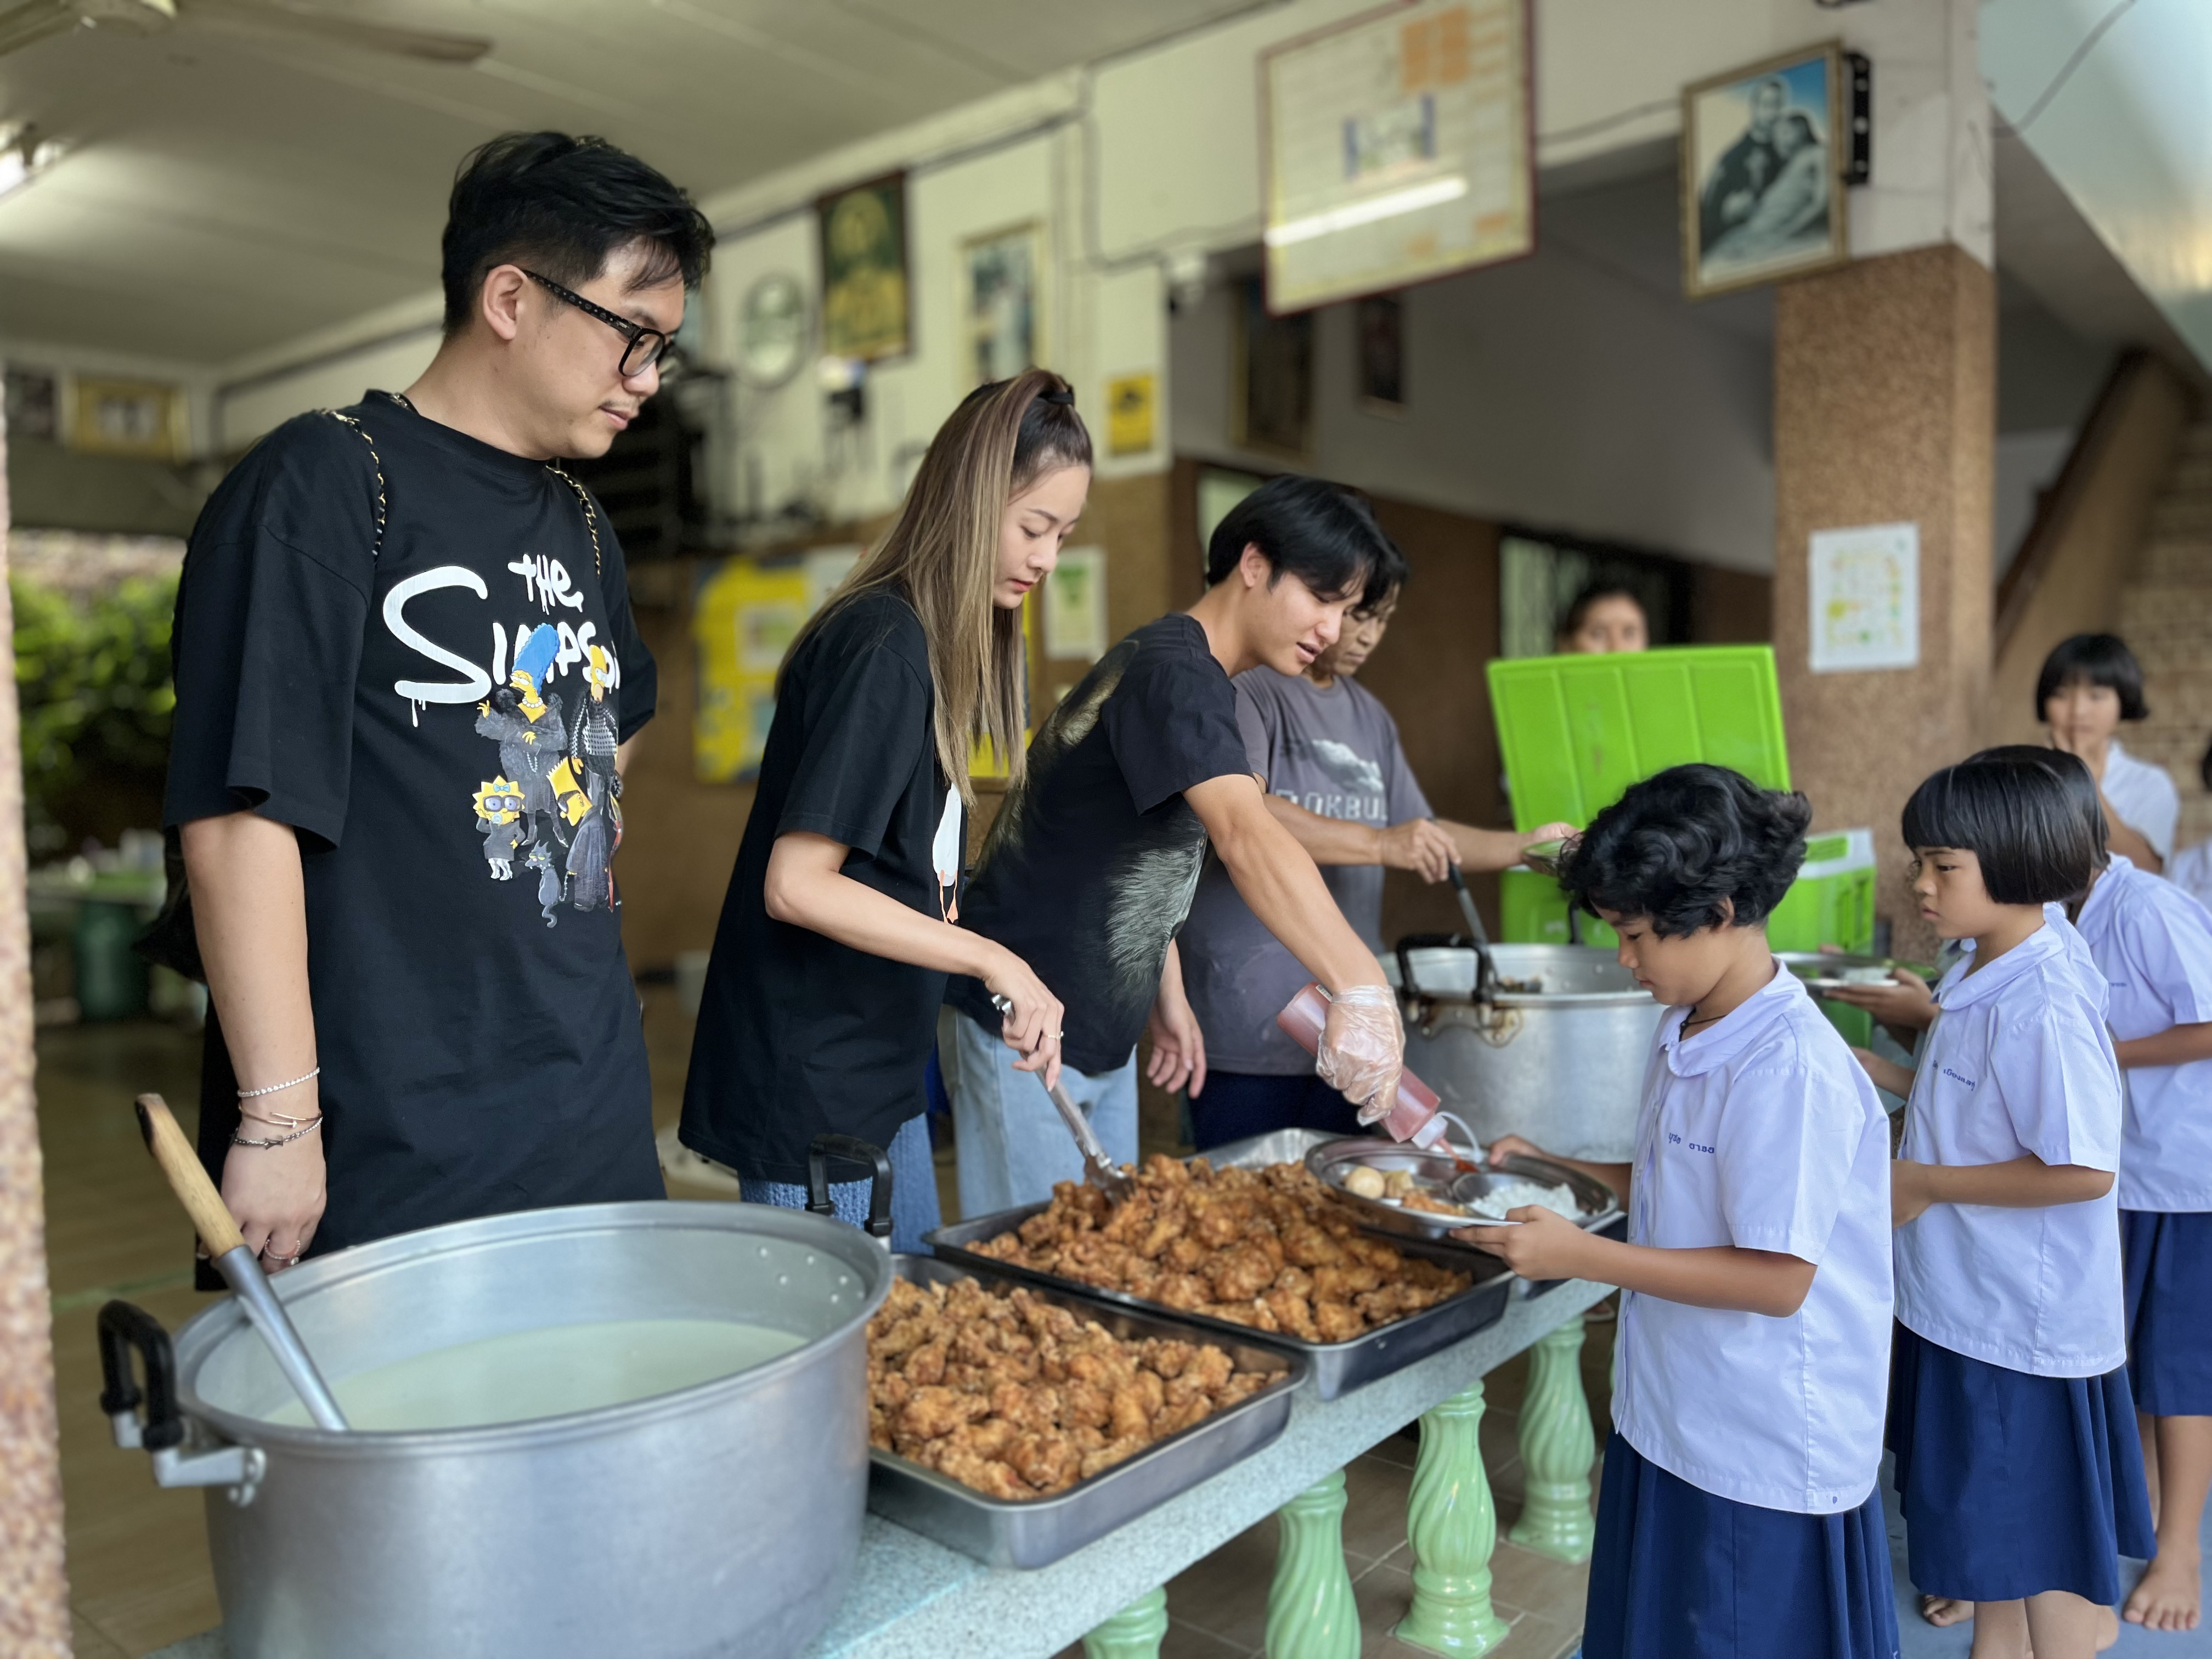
pixel 1037 1532
pixel 1338 1367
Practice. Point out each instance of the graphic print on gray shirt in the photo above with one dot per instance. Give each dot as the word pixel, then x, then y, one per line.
pixel 1336 753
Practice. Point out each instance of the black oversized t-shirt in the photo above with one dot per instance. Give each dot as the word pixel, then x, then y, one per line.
pixel 1088 871
pixel 799 1033
pixel 357 596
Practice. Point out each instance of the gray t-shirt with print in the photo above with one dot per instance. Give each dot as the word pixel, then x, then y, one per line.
pixel 1334 752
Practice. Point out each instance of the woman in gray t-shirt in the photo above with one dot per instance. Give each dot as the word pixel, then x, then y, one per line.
pixel 1337 777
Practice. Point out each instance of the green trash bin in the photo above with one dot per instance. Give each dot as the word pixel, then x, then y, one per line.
pixel 111 977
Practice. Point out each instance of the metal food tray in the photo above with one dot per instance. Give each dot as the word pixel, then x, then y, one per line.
pixel 1038 1531
pixel 1338 1367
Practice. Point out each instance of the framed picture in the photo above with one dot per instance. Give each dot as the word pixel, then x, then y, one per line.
pixel 1764 153
pixel 1380 319
pixel 144 419
pixel 1398 148
pixel 1005 272
pixel 867 310
pixel 1271 402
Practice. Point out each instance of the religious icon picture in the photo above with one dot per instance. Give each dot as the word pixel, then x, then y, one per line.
pixel 866 300
pixel 1764 151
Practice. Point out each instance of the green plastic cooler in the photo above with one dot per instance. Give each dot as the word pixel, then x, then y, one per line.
pixel 1576 731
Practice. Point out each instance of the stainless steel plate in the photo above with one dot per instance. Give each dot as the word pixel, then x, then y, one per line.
pixel 1037 1532
pixel 1337 1367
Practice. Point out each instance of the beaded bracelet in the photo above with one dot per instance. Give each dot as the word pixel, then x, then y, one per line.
pixel 314 1124
pixel 278 1088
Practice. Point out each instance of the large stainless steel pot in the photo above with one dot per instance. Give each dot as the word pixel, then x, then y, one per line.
pixel 1562 1064
pixel 722 1518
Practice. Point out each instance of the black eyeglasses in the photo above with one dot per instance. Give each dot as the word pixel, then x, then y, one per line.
pixel 646 347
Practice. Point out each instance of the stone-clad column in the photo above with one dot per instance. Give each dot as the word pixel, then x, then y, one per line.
pixel 1885 382
pixel 34 1597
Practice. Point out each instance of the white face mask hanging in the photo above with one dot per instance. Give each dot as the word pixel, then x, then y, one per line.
pixel 945 852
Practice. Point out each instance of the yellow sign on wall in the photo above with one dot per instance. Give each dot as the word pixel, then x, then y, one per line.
pixel 1131 401
pixel 745 617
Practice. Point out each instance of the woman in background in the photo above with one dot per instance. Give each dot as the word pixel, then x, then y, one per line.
pixel 2089 684
pixel 1606 617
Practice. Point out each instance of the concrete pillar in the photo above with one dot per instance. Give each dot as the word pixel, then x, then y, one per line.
pixel 1885 382
pixel 34 1597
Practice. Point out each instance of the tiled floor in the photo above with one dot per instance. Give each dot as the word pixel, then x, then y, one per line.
pixel 138 1556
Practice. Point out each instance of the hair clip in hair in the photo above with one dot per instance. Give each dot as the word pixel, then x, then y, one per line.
pixel 1062 395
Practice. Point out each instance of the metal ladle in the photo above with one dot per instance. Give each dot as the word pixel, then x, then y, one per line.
pixel 226 1247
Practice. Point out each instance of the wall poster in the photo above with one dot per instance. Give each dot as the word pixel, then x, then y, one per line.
pixel 1004 271
pixel 1396 148
pixel 1865 591
pixel 1074 598
pixel 866 300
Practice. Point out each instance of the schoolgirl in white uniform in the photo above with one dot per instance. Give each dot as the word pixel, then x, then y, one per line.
pixel 2153 944
pixel 1738 1515
pixel 2089 684
pixel 2020 1480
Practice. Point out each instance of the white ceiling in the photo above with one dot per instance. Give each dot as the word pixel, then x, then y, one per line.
pixel 227 191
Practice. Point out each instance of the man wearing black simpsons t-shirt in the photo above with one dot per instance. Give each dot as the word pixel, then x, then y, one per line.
pixel 406 677
pixel 1088 871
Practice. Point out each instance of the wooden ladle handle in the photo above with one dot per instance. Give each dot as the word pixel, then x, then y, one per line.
pixel 211 1219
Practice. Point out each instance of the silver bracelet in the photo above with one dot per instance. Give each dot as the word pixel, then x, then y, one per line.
pixel 308 1128
pixel 278 1088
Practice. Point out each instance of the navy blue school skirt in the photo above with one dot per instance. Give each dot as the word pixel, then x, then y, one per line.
pixel 2013 1485
pixel 1680 1574
pixel 2169 1280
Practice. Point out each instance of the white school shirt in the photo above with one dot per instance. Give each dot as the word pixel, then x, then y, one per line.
pixel 2190 870
pixel 2153 942
pixel 1763 1133
pixel 2144 797
pixel 2018 1061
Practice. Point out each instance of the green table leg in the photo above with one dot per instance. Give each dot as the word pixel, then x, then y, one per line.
pixel 1310 1613
pixel 1452 1527
pixel 1556 1449
pixel 1133 1633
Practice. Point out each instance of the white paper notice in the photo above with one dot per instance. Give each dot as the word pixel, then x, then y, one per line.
pixel 1866 597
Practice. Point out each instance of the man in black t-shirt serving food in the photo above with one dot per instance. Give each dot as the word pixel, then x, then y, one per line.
pixel 407 678
pixel 1088 871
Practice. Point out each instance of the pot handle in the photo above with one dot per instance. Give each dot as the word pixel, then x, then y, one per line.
pixel 124 1326
pixel 821 1150
pixel 1411 942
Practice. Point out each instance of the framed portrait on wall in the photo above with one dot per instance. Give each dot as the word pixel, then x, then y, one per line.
pixel 867 306
pixel 143 419
pixel 1005 272
pixel 1270 399
pixel 1764 150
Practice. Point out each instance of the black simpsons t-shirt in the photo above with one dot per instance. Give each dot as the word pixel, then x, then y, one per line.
pixel 799 1033
pixel 1088 871
pixel 359 595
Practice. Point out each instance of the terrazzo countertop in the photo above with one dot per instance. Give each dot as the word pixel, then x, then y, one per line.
pixel 914 1599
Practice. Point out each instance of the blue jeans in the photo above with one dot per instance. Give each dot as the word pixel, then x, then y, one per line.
pixel 914 1209
pixel 1012 1145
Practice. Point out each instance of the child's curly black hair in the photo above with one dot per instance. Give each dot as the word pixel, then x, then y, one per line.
pixel 1695 846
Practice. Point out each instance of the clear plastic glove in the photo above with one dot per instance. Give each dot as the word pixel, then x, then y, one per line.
pixel 1363 1049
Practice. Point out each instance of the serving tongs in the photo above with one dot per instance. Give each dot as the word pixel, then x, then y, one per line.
pixel 1099 1170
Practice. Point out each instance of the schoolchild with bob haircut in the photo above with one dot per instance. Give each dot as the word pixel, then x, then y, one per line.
pixel 1754 1331
pixel 2020 1482
pixel 2089 685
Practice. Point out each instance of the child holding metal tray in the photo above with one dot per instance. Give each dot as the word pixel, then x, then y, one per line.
pixel 2018 1467
pixel 1739 1515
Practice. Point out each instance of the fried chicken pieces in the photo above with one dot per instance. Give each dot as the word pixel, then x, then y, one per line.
pixel 1269 1248
pixel 1018 1397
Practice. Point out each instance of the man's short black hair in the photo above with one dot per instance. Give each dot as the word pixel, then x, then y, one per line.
pixel 2019 818
pixel 1695 846
pixel 2071 771
pixel 2096 659
pixel 1320 532
pixel 559 206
